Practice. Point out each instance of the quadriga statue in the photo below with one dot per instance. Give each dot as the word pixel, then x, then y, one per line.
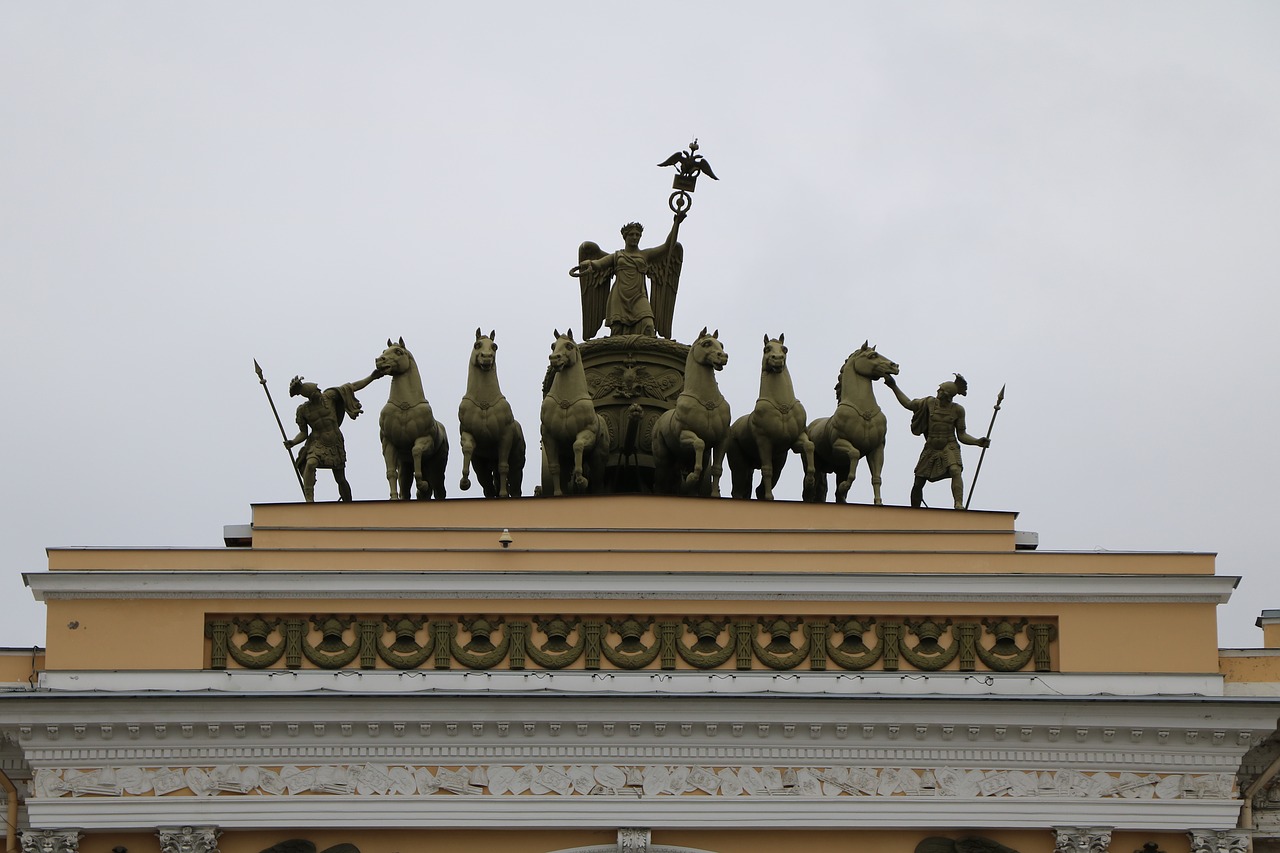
pixel 689 441
pixel 760 441
pixel 414 443
pixel 575 439
pixel 488 433
pixel 856 430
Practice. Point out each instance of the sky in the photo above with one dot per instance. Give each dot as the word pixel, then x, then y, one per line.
pixel 1078 201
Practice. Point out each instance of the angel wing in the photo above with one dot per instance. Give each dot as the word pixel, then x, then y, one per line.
pixel 664 273
pixel 594 285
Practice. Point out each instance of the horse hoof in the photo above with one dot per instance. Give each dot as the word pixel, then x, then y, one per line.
pixel 464 483
pixel 879 502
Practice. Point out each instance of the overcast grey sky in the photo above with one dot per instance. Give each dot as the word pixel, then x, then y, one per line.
pixel 1080 200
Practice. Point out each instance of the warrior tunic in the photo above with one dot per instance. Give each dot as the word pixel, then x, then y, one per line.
pixel 323 418
pixel 939 424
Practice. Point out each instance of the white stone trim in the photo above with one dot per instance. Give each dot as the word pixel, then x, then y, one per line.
pixel 644 682
pixel 1002 589
pixel 337 812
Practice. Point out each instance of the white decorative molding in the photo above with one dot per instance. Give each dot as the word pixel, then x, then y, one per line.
pixel 51 841
pixel 188 839
pixel 612 780
pixel 998 588
pixel 1220 841
pixel 1081 839
pixel 671 683
pixel 609 813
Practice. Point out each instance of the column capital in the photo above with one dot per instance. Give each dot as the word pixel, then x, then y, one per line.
pixel 188 839
pixel 51 841
pixel 1220 841
pixel 1081 839
pixel 633 840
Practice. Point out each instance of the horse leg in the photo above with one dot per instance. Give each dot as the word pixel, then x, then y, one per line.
pixel 584 441
pixel 504 461
pixel 804 447
pixel 767 477
pixel 843 446
pixel 691 441
pixel 468 444
pixel 393 468
pixel 423 447
pixel 551 460
pixel 875 461
pixel 741 471
pixel 717 468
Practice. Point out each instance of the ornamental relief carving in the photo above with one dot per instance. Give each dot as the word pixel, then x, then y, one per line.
pixel 996 644
pixel 624 780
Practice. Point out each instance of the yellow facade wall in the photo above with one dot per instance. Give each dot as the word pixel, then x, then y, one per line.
pixel 19 666
pixel 168 634
pixel 1264 668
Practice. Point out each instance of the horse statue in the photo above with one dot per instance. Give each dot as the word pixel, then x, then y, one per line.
pixel 856 429
pixel 689 440
pixel 760 440
pixel 488 432
pixel 575 439
pixel 414 443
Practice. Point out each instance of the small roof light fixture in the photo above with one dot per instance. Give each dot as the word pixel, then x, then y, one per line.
pixel 505 539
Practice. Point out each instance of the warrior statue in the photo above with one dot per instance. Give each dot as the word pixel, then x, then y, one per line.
pixel 941 421
pixel 319 419
pixel 613 285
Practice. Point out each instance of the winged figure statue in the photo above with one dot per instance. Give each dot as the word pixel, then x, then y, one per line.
pixel 613 284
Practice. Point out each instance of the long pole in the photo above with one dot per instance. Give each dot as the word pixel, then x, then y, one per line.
pixel 293 463
pixel 983 455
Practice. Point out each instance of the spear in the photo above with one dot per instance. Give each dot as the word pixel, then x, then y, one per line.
pixel 978 470
pixel 293 463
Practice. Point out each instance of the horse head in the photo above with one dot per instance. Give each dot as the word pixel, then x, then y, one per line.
pixel 775 355
pixel 865 361
pixel 707 350
pixel 484 353
pixel 564 352
pixel 395 360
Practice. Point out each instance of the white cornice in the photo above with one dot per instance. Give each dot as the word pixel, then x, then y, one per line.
pixel 943 685
pixel 1001 588
pixel 333 812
